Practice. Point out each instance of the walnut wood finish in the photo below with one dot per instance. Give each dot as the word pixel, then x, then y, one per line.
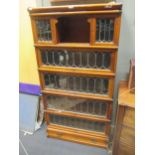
pixel 65 23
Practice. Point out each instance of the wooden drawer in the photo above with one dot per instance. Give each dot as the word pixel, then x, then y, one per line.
pixel 72 135
pixel 129 117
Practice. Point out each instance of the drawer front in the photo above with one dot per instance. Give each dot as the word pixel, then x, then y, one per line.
pixel 77 123
pixel 80 84
pixel 129 117
pixel 78 59
pixel 77 105
pixel 76 137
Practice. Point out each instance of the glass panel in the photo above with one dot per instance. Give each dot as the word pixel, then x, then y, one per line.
pixel 104 30
pixel 77 123
pixel 43 30
pixel 76 105
pixel 76 83
pixel 67 58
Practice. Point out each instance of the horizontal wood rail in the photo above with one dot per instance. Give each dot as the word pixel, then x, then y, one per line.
pixel 77 95
pixel 76 45
pixel 78 71
pixel 75 13
pixel 86 7
pixel 87 48
pixel 78 115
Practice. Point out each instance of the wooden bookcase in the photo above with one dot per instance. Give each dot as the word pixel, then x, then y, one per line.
pixel 76 49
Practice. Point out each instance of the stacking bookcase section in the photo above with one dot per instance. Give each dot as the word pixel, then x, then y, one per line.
pixel 76 49
pixel 72 58
pixel 77 123
pixel 99 86
pixel 98 26
pixel 99 61
pixel 72 105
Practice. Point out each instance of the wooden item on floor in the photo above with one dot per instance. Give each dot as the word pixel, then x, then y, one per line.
pixel 76 48
pixel 131 81
pixel 124 137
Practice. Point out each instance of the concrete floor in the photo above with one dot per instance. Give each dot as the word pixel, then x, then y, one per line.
pixel 39 144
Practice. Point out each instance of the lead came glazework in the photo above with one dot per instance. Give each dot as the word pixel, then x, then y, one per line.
pixel 76 83
pixel 68 58
pixel 77 123
pixel 43 30
pixel 77 105
pixel 104 30
pixel 76 52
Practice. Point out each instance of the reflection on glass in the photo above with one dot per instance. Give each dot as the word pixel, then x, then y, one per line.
pixel 67 58
pixel 76 105
pixel 76 83
pixel 43 30
pixel 104 30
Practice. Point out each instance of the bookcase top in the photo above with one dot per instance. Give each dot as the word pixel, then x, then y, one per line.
pixel 72 8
